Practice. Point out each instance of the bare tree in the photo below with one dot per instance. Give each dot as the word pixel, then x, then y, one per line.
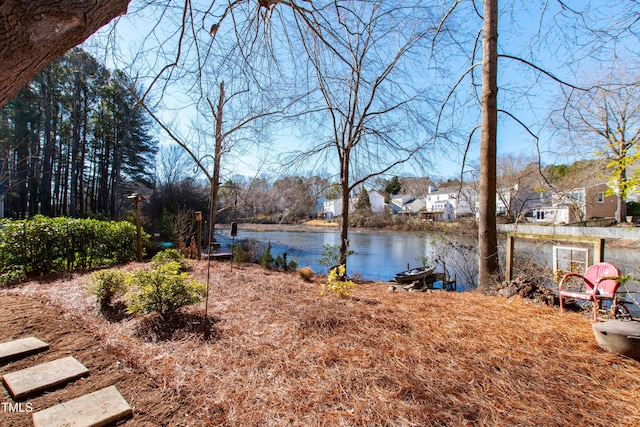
pixel 369 117
pixel 516 182
pixel 172 165
pixel 215 140
pixel 566 39
pixel 606 122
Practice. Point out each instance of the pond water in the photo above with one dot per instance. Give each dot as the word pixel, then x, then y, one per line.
pixel 378 255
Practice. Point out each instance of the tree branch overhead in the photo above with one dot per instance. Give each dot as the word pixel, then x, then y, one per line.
pixel 35 33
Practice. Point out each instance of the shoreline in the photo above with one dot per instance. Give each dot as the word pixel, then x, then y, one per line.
pixel 322 226
pixel 450 228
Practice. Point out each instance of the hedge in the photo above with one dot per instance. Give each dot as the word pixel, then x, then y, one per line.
pixel 42 245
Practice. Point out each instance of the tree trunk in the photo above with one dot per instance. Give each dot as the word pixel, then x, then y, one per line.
pixel 487 236
pixel 34 33
pixel 75 147
pixel 117 165
pixel 22 140
pixel 82 209
pixel 47 151
pixel 344 228
pixel 217 157
pixel 621 208
pixel 34 164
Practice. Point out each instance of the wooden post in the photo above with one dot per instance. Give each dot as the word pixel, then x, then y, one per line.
pixel 597 242
pixel 509 269
pixel 598 254
pixel 138 199
pixel 138 230
pixel 199 238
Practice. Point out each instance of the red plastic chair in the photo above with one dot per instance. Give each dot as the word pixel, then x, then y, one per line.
pixel 599 283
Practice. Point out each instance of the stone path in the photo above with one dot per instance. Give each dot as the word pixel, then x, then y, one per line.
pixel 45 376
pixel 23 347
pixel 95 409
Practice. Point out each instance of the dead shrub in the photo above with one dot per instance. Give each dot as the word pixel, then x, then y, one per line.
pixel 305 273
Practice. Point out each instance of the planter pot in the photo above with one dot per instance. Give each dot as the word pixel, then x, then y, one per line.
pixel 621 337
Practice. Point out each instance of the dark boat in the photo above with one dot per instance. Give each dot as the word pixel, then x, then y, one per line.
pixel 415 274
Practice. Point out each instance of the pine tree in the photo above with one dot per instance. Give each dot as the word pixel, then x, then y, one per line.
pixel 363 205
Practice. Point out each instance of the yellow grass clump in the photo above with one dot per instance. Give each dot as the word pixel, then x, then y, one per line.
pixel 277 353
pixel 305 273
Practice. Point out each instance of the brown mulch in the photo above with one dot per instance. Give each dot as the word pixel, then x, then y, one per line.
pixel 276 353
pixel 22 317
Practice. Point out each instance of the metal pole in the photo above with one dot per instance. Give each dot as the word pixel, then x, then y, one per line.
pixel 138 227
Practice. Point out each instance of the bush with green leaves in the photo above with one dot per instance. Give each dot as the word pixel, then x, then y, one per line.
pixel 171 255
pixel 42 245
pixel 13 276
pixel 281 263
pixel 278 263
pixel 331 255
pixel 164 290
pixel 106 285
pixel 267 260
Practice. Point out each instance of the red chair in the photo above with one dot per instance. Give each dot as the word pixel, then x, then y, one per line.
pixel 600 284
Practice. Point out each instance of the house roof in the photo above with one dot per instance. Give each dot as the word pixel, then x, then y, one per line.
pixel 450 189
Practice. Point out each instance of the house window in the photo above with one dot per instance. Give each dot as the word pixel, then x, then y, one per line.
pixel 601 197
pixel 578 195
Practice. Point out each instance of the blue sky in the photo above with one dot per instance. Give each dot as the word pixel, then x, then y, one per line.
pixel 527 94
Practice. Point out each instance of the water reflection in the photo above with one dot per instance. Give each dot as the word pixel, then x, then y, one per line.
pixel 378 255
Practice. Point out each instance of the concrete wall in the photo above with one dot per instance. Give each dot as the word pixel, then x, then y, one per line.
pixel 629 233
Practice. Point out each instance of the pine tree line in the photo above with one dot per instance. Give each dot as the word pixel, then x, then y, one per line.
pixel 74 142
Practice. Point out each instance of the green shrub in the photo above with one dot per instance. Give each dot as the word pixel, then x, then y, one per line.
pixel 106 285
pixel 281 263
pixel 278 263
pixel 42 245
pixel 267 260
pixel 164 290
pixel 331 255
pixel 12 276
pixel 170 255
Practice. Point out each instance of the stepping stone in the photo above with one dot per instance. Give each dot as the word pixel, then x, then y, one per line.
pixel 42 377
pixel 16 349
pixel 96 409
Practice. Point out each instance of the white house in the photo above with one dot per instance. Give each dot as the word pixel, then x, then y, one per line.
pixel 517 201
pixel 377 201
pixel 318 206
pixel 332 208
pixel 400 203
pixel 450 203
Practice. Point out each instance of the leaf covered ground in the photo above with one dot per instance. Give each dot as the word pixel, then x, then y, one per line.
pixel 274 352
